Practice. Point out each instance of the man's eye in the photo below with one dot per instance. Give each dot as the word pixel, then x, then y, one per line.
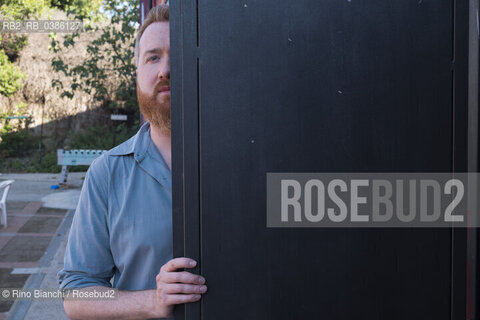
pixel 153 58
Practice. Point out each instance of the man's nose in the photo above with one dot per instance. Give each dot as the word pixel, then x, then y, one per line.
pixel 164 69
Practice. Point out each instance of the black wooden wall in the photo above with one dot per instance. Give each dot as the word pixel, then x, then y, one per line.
pixel 315 86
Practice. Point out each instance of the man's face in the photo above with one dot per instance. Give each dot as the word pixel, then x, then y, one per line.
pixel 153 75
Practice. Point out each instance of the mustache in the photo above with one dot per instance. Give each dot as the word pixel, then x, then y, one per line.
pixel 161 84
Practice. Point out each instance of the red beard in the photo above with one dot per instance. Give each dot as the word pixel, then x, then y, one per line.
pixel 157 113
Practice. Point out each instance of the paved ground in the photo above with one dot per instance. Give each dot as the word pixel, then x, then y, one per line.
pixel 33 244
pixel 30 187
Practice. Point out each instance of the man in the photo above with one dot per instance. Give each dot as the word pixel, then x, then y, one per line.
pixel 122 227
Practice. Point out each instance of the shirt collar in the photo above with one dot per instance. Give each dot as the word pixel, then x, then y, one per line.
pixel 139 145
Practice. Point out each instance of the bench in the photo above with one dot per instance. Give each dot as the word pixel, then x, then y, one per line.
pixel 76 157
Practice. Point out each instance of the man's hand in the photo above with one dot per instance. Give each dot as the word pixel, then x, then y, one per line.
pixel 174 287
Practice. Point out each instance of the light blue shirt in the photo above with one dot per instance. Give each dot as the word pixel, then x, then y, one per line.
pixel 122 226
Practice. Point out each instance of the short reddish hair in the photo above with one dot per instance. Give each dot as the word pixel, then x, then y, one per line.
pixel 160 13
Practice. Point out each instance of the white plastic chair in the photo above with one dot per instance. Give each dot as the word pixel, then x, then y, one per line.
pixel 4 184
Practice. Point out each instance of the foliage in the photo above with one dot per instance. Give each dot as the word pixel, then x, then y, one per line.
pixel 36 162
pixel 15 139
pixel 85 9
pixel 10 76
pixel 80 9
pixel 19 152
pixel 106 73
pixel 12 44
pixel 16 144
pixel 101 137
pixel 109 56
pixel 60 4
pixel 21 9
pixel 20 109
pixel 44 163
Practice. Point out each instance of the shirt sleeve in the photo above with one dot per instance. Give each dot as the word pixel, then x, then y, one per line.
pixel 88 259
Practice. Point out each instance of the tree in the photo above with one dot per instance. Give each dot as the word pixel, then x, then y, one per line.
pixel 10 76
pixel 21 9
pixel 11 44
pixel 109 56
pixel 81 9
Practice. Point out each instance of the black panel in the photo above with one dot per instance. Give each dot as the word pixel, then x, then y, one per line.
pixel 315 86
